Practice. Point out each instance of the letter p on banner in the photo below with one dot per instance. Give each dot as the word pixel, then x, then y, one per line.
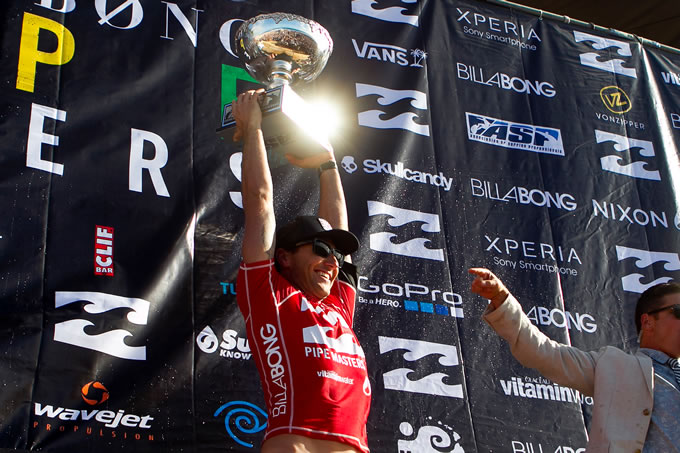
pixel 30 56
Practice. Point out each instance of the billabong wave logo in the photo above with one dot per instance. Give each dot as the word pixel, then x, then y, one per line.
pixel 645 259
pixel 508 134
pixel 389 14
pixel 387 96
pixel 599 60
pixel 615 163
pixel 244 417
pixel 432 384
pixel 111 342
pixel 382 242
pixel 429 439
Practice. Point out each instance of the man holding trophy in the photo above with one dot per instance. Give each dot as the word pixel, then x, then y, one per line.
pixel 296 290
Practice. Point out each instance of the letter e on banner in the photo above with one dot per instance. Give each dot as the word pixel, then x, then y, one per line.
pixel 37 136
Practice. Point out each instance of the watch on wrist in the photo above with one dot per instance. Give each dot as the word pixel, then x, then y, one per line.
pixel 330 165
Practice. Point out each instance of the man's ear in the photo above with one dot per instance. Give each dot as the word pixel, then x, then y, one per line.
pixel 283 258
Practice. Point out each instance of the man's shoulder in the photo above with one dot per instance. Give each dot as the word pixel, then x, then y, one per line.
pixel 256 265
pixel 259 275
pixel 612 353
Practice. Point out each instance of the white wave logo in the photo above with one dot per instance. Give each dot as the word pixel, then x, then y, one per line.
pixel 598 61
pixel 112 342
pixel 432 384
pixel 645 259
pixel 390 14
pixel 613 163
pixel 382 242
pixel 387 96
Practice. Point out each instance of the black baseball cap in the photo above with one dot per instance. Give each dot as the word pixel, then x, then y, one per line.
pixel 306 228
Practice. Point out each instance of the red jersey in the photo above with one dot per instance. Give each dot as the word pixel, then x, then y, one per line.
pixel 311 365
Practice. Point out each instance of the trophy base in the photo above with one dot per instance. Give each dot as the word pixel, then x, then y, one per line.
pixel 286 118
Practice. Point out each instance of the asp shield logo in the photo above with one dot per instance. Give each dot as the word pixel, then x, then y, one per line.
pixel 644 259
pixel 415 351
pixel 508 134
pixel 386 96
pixel 399 217
pixel 375 9
pixel 75 331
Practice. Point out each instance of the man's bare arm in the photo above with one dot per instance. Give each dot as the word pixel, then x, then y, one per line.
pixel 332 205
pixel 256 181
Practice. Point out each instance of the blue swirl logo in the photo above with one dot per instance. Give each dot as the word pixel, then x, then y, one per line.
pixel 246 417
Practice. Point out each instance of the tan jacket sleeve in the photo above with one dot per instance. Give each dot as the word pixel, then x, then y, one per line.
pixel 565 365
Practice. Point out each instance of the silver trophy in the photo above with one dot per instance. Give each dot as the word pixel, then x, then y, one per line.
pixel 280 50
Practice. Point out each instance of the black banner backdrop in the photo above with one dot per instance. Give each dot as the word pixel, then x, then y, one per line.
pixel 473 135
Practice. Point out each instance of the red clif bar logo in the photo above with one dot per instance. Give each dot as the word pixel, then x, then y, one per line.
pixel 103 251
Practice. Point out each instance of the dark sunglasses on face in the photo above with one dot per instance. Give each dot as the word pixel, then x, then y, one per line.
pixel 674 308
pixel 323 250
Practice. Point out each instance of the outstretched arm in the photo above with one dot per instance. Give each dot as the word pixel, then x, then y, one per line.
pixel 560 363
pixel 256 181
pixel 332 205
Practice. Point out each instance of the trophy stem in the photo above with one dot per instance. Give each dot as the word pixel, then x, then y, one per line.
pixel 280 73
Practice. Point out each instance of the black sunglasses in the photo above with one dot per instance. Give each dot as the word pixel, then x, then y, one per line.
pixel 323 250
pixel 674 308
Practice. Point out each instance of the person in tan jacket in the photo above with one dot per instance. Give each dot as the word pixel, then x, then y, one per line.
pixel 636 396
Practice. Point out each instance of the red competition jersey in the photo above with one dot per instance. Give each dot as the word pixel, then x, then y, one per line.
pixel 311 365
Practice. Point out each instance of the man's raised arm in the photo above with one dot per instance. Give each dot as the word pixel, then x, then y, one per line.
pixel 256 181
pixel 332 205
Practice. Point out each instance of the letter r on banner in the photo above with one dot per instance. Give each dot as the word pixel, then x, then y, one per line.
pixel 138 164
pixel 30 56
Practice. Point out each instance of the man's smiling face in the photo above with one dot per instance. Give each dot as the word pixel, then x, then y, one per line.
pixel 309 272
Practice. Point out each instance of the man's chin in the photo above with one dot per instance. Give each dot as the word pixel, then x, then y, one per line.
pixel 322 291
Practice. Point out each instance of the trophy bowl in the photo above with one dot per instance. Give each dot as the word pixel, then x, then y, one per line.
pixel 283 49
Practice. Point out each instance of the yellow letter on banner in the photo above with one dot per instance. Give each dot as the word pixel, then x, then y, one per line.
pixel 30 56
